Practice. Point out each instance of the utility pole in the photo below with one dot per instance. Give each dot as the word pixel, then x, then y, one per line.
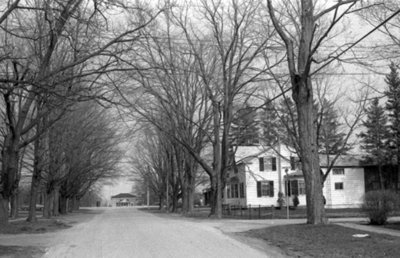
pixel 167 13
pixel 279 165
pixel 287 192
pixel 148 196
pixel 167 191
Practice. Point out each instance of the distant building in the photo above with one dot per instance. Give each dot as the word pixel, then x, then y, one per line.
pixel 123 199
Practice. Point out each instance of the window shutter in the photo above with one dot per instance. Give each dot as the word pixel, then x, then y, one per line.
pixel 241 190
pixel 295 187
pixel 261 161
pixel 258 189
pixel 271 188
pixel 292 163
pixel 273 163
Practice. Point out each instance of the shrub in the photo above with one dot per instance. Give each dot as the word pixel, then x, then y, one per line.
pixel 296 201
pixel 378 205
pixel 280 200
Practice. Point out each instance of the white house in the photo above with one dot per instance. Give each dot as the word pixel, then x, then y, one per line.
pixel 261 174
pixel 123 199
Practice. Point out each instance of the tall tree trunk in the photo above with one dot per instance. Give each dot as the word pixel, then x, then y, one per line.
pixel 302 95
pixel 175 197
pixel 212 196
pixel 185 202
pixel 216 197
pixel 56 201
pixel 190 196
pixel 3 210
pixel 381 180
pixel 33 197
pixel 218 206
pixel 9 174
pixel 38 162
pixel 398 166
pixel 71 204
pixel 188 186
pixel 63 204
pixel 48 207
pixel 14 203
pixel 216 211
pixel 187 199
pixel 160 206
pixel 300 74
pixel 76 204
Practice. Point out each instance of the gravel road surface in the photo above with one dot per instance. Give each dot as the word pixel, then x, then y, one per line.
pixel 128 232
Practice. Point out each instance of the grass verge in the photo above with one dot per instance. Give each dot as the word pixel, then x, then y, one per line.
pixel 21 251
pixel 327 241
pixel 41 226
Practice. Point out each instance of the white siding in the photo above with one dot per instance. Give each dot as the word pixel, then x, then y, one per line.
pixel 352 195
pixel 353 181
pixel 242 179
pixel 253 174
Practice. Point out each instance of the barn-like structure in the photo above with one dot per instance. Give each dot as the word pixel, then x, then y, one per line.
pixel 123 200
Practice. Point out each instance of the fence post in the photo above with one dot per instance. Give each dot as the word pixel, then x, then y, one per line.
pixel 250 211
pixel 241 211
pixel 259 211
pixel 272 211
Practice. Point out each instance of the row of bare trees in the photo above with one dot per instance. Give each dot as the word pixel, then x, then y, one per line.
pixel 185 71
pixel 53 55
pixel 201 63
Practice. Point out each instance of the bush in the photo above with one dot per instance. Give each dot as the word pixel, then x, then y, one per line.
pixel 378 205
pixel 280 200
pixel 296 201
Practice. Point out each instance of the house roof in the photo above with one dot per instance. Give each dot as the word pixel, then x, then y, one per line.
pixel 245 154
pixel 342 160
pixel 297 173
pixel 123 195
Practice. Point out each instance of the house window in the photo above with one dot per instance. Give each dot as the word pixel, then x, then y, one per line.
pixel 302 187
pixel 241 190
pixel 339 186
pixel 268 163
pixel 265 188
pixel 292 163
pixel 232 191
pixel 338 171
pixel 261 162
pixel 295 187
pixel 273 163
pixel 235 191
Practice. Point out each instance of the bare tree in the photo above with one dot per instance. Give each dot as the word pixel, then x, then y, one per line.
pixel 175 103
pixel 66 54
pixel 227 54
pixel 151 165
pixel 302 32
pixel 83 149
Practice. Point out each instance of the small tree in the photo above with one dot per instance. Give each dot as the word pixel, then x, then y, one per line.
pixel 375 137
pixel 379 205
pixel 244 127
pixel 393 107
pixel 331 140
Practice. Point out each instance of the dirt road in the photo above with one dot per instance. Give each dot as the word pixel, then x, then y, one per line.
pixel 128 232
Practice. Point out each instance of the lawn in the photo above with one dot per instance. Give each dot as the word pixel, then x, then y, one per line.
pixel 24 227
pixel 21 251
pixel 327 241
pixel 392 225
pixel 41 226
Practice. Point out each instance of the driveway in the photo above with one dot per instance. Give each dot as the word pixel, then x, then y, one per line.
pixel 128 232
